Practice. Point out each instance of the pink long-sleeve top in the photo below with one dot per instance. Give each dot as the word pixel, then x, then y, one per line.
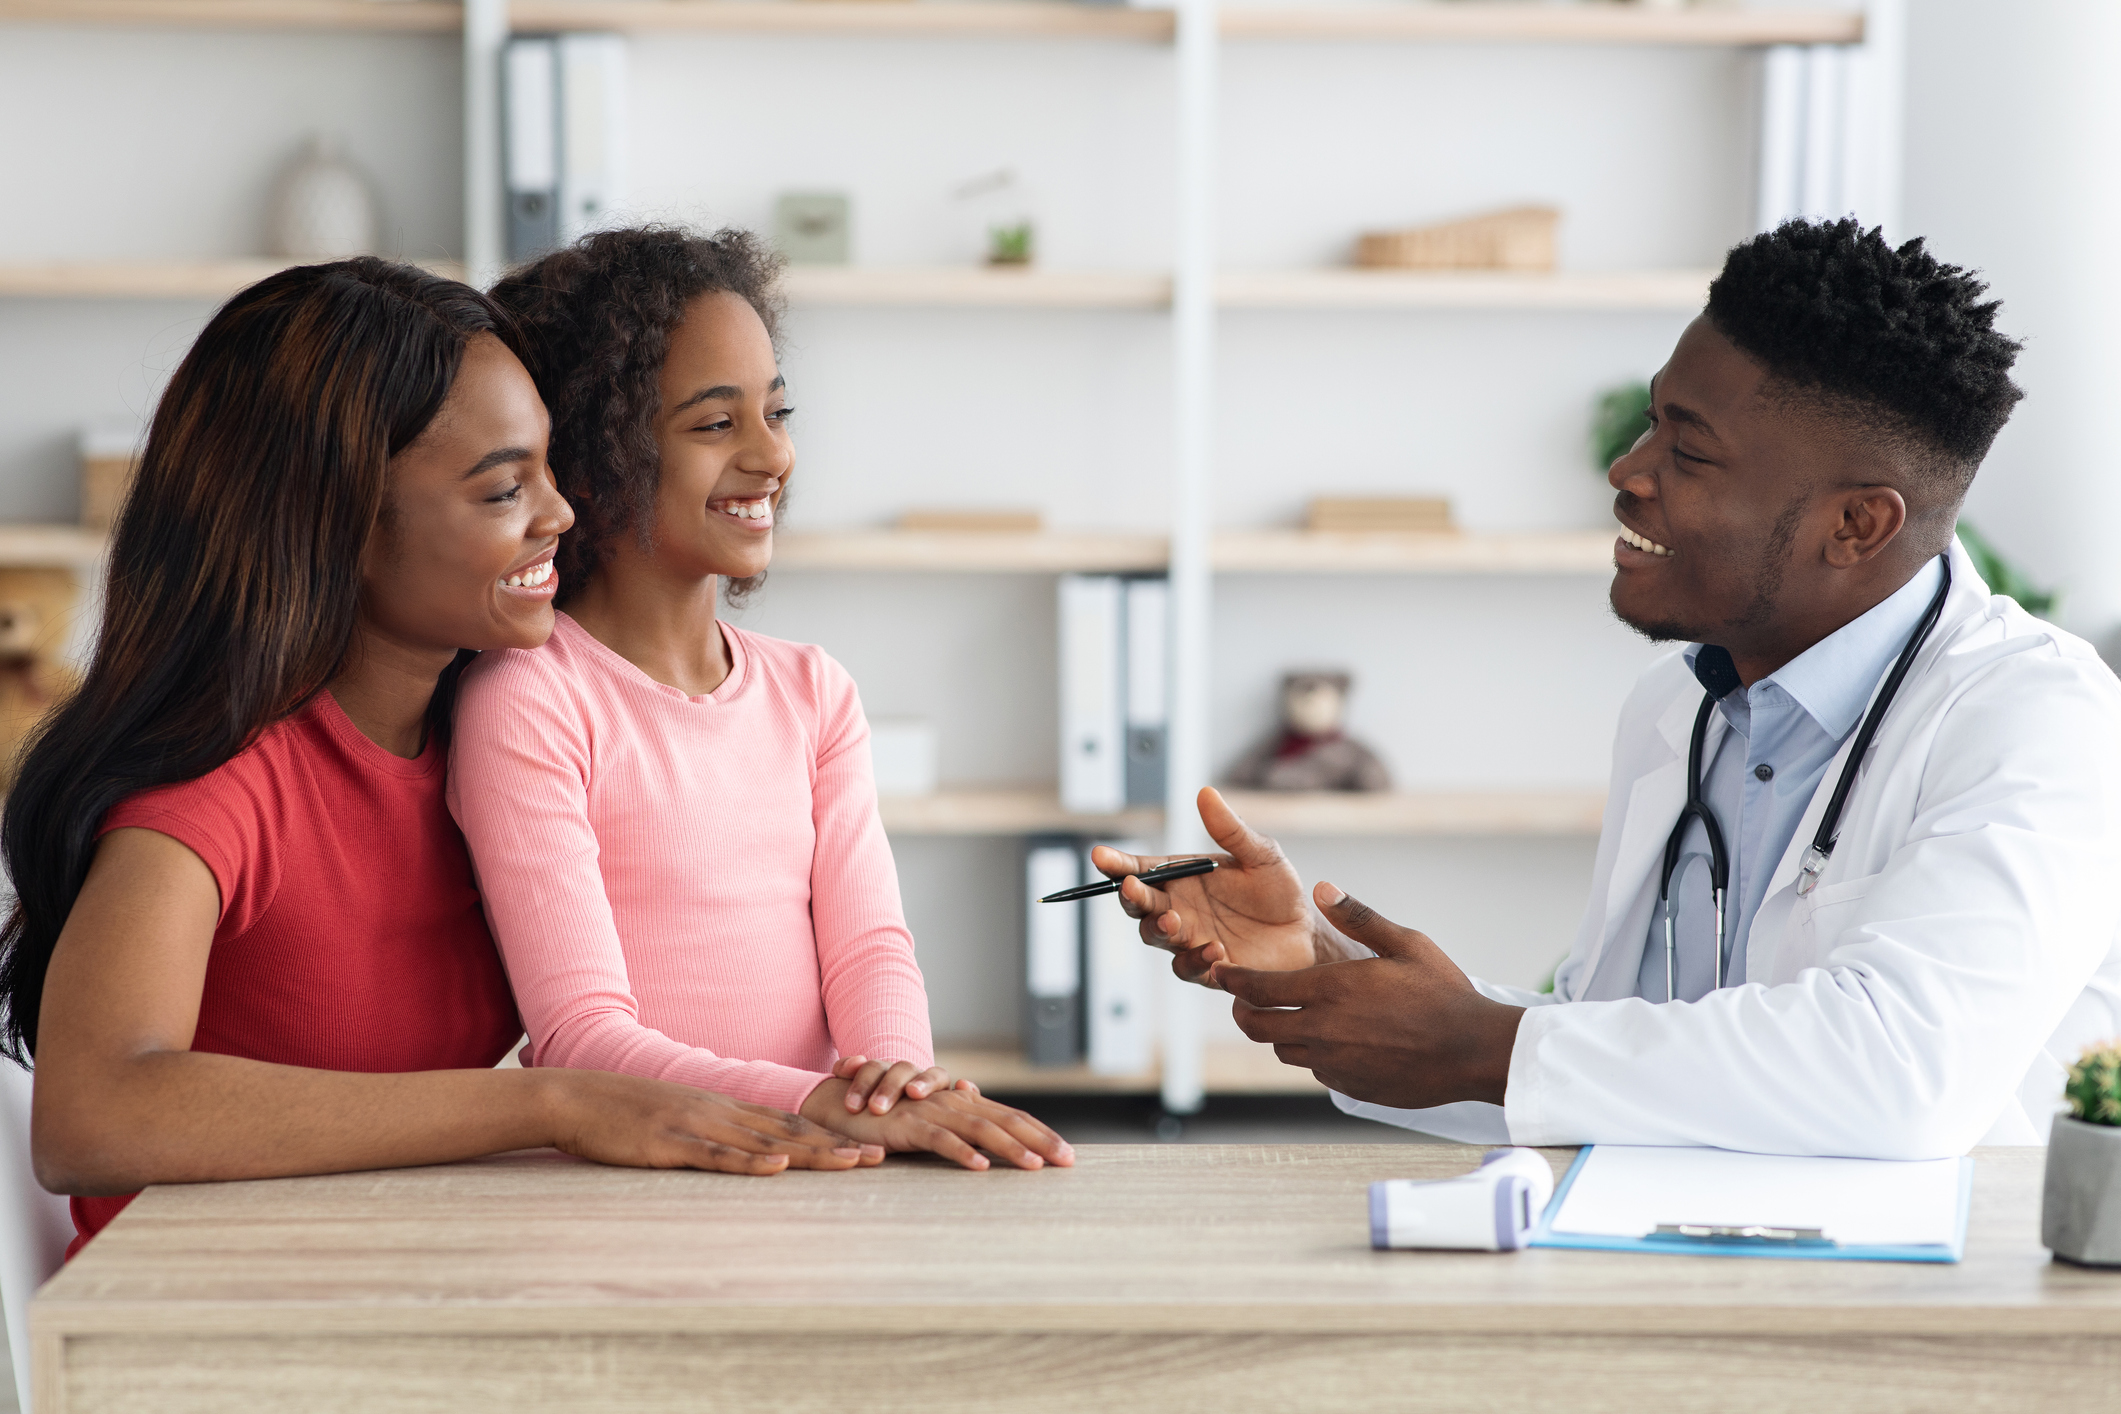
pixel 695 889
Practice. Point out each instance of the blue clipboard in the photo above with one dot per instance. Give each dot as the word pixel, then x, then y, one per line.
pixel 1543 1235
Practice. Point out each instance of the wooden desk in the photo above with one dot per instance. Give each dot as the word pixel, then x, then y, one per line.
pixel 1225 1279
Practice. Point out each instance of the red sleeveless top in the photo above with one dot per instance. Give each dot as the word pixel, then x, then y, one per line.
pixel 350 936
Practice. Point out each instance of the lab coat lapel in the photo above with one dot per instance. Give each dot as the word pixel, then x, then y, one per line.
pixel 1654 802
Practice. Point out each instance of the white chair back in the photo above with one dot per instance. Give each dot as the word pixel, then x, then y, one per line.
pixel 35 1226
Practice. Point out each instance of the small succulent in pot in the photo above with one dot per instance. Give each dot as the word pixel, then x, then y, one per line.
pixel 2094 1089
pixel 2080 1215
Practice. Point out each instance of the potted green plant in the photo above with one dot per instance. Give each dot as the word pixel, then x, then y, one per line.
pixel 1618 418
pixel 2080 1212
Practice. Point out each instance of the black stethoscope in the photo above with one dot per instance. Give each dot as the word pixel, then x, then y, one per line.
pixel 1823 842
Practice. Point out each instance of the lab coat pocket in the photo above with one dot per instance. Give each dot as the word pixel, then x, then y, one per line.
pixel 1822 915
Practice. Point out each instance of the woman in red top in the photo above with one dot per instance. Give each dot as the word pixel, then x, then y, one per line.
pixel 247 942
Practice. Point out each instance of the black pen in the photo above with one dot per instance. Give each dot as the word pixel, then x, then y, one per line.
pixel 1161 874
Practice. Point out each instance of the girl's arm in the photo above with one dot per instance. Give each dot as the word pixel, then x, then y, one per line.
pixel 122 1102
pixel 875 1001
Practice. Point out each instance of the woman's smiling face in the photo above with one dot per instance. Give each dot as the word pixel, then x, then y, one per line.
pixel 461 556
pixel 722 428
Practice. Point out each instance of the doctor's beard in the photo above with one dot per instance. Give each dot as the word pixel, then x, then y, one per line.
pixel 1770 563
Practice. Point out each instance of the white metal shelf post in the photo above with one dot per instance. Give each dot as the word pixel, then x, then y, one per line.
pixel 485 34
pixel 1192 571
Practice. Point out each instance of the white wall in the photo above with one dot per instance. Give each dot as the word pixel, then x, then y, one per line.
pixel 1465 682
pixel 165 145
pixel 143 144
pixel 2011 169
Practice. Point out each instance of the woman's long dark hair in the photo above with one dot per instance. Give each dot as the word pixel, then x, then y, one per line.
pixel 235 567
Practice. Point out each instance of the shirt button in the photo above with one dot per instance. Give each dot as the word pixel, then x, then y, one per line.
pixel 1763 772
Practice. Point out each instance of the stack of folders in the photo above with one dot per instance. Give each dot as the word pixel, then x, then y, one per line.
pixel 564 101
pixel 1114 677
pixel 1088 978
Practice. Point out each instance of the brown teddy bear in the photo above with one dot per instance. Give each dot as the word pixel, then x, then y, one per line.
pixel 1309 751
pixel 36 606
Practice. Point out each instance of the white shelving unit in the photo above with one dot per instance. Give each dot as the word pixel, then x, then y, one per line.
pixel 1192 290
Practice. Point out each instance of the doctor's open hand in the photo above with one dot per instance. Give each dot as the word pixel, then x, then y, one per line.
pixel 1403 1028
pixel 1249 912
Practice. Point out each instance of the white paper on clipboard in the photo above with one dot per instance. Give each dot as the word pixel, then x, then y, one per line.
pixel 1627 1190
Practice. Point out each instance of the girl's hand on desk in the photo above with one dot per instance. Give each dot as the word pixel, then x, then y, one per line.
pixel 623 1119
pixel 879 1084
pixel 955 1123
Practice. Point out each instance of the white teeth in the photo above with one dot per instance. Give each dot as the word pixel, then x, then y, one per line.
pixel 530 578
pixel 761 509
pixel 1642 544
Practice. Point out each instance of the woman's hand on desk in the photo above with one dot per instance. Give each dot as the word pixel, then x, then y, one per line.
pixel 623 1119
pixel 1251 912
pixel 956 1123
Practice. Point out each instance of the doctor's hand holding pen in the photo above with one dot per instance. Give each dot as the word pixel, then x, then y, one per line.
pixel 1374 1010
pixel 1250 911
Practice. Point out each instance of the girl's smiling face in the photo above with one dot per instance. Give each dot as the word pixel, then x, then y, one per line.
pixel 722 428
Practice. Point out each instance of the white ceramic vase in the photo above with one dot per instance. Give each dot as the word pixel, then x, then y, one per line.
pixel 323 208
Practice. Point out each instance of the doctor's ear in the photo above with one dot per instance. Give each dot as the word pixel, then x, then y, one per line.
pixel 1870 516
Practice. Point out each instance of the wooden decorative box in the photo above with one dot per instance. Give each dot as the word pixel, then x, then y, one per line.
pixel 1518 239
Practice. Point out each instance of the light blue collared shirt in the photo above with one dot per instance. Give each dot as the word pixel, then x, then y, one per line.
pixel 1784 732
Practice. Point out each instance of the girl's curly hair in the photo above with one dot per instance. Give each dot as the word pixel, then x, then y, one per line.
pixel 595 321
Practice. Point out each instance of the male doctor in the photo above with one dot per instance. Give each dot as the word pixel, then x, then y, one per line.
pixel 1900 974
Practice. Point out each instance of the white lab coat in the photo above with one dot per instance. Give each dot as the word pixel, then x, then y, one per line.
pixel 1962 945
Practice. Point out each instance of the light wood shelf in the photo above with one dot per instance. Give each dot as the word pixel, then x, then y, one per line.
pixel 1463 289
pixel 1488 813
pixel 1408 552
pixel 1226 1069
pixel 957 552
pixel 157 279
pixel 1001 19
pixel 1545 24
pixel 1031 811
pixel 977 287
pixel 973 286
pixel 30 546
pixel 993 19
pixel 1235 552
pixel 415 16
pixel 1006 810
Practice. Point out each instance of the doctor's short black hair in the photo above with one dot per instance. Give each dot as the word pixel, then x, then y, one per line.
pixel 595 321
pixel 1891 340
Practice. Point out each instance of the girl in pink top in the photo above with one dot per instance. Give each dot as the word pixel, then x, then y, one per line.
pixel 673 820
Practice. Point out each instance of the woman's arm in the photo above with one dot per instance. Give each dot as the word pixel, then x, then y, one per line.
pixel 122 1102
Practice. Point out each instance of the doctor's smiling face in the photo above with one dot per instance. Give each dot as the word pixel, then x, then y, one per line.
pixel 1754 517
